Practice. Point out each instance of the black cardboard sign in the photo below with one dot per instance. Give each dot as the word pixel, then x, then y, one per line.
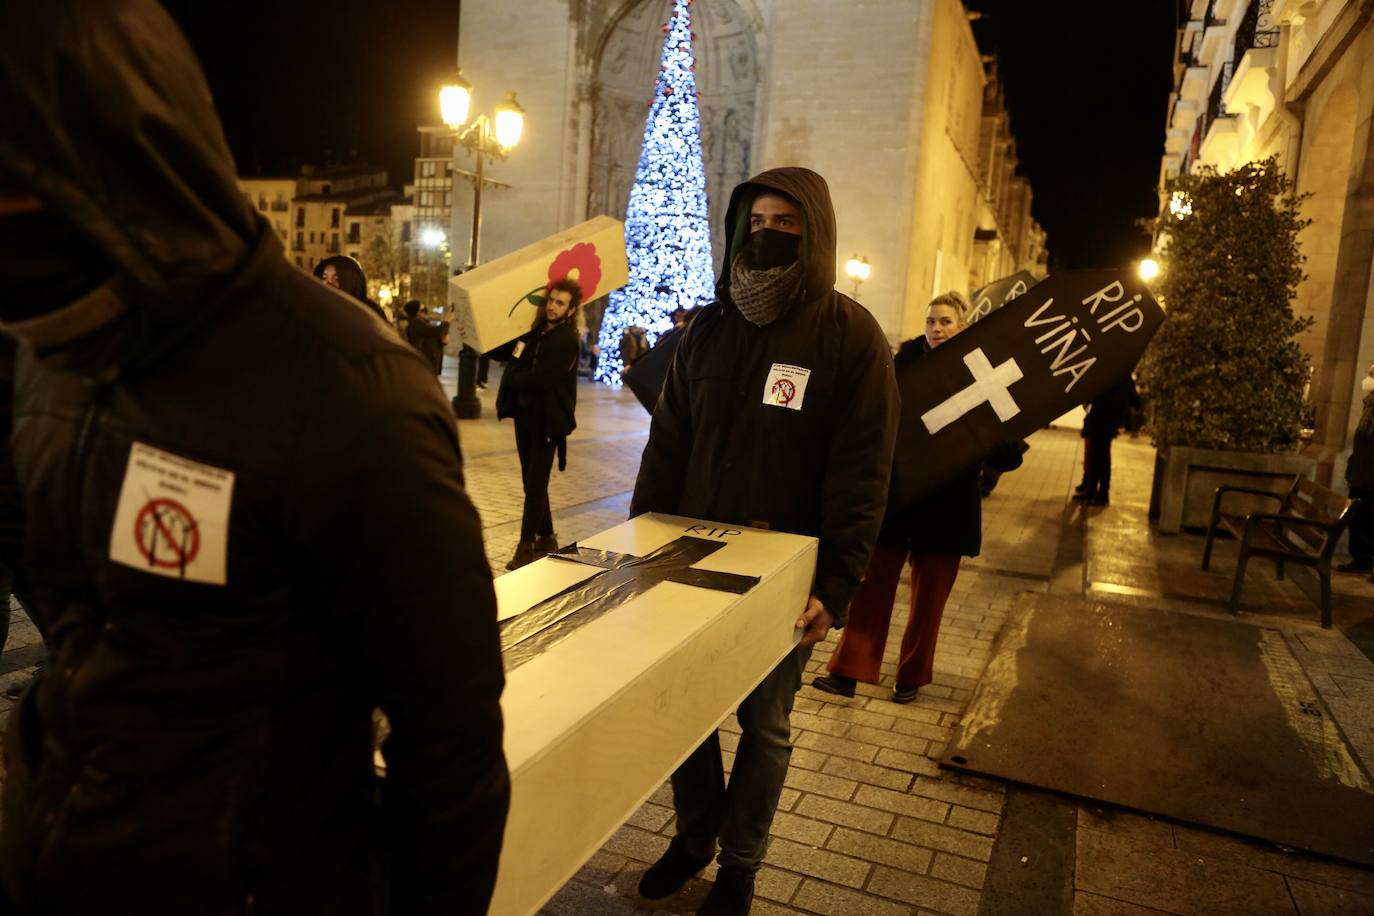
pixel 999 292
pixel 647 375
pixel 1060 344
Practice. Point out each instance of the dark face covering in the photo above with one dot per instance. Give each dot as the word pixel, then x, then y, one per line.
pixel 770 248
pixel 45 264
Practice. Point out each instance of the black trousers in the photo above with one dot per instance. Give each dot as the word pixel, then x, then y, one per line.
pixel 536 463
pixel 1362 527
pixel 1097 464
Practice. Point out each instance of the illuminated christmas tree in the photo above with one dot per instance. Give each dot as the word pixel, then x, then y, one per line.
pixel 667 230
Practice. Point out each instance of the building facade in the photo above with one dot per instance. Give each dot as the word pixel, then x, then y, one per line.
pixel 1295 79
pixel 887 99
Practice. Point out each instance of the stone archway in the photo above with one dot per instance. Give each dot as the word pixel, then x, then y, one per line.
pixel 727 80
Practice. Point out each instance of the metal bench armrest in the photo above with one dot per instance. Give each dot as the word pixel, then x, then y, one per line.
pixel 1223 490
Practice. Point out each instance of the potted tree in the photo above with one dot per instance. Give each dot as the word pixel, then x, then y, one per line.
pixel 1225 377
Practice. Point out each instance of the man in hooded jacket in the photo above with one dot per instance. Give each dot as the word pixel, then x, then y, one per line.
pixel 223 472
pixel 780 411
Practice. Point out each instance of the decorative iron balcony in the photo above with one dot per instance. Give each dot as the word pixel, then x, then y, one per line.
pixel 1250 35
pixel 1214 107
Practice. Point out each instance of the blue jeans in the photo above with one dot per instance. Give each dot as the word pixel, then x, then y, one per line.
pixel 740 815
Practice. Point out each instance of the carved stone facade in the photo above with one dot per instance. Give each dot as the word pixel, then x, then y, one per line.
pixel 884 98
pixel 1295 78
pixel 727 81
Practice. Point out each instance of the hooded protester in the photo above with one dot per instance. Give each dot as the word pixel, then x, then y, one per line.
pixel 346 275
pixel 780 412
pixel 425 336
pixel 220 526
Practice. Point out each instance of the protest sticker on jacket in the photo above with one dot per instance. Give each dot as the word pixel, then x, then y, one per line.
pixel 173 517
pixel 1062 343
pixel 786 386
pixel 999 292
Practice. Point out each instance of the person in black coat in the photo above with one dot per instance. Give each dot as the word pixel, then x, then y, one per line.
pixel 224 470
pixel 935 533
pixel 425 336
pixel 346 275
pixel 1106 415
pixel 1359 476
pixel 539 390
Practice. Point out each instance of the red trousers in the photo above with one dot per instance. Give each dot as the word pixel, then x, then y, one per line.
pixel 860 653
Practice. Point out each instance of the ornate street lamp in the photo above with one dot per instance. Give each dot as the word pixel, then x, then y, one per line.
pixel 486 139
pixel 857 269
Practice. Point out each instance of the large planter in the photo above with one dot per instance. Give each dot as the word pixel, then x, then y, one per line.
pixel 1186 481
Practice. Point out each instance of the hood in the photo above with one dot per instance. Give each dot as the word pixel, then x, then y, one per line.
pixel 818 225
pixel 105 115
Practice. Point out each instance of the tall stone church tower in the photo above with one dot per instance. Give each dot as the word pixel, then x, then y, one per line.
pixel 884 98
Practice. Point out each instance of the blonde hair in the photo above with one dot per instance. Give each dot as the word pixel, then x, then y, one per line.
pixel 955 300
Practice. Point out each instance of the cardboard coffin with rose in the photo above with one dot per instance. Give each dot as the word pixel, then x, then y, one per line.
pixel 495 303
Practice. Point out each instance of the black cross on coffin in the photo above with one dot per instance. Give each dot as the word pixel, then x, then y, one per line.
pixel 626 576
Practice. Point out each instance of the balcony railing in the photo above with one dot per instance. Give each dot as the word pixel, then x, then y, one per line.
pixel 1214 107
pixel 1249 33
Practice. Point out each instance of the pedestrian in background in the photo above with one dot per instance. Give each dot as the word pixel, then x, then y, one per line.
pixel 425 335
pixel 1107 414
pixel 933 534
pixel 539 390
pixel 346 275
pixel 226 474
pixel 1359 476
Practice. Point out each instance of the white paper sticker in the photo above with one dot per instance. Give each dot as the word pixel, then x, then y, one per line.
pixel 786 386
pixel 173 517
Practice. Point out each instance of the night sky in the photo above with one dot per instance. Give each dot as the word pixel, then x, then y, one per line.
pixel 1087 84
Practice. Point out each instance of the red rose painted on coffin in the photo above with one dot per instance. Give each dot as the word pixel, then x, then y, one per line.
pixel 580 263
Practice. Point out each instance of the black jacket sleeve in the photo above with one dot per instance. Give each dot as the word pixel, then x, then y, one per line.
pixel 663 467
pixel 859 464
pixel 380 472
pixel 556 357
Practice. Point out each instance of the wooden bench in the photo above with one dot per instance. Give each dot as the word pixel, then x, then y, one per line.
pixel 1304 530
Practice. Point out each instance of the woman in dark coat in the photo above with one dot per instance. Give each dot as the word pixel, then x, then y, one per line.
pixel 942 527
pixel 539 389
pixel 1359 476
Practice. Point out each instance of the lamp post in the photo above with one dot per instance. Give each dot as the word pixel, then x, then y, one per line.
pixel 486 138
pixel 857 269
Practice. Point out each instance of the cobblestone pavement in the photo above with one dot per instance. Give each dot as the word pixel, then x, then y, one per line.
pixel 869 824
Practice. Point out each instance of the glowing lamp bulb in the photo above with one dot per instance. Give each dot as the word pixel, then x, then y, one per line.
pixel 510 122
pixel 455 100
pixel 1148 269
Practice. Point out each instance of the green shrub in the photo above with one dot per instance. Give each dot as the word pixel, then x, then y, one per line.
pixel 1225 371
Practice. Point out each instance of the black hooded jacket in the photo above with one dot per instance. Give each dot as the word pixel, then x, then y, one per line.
pixel 719 450
pixel 200 739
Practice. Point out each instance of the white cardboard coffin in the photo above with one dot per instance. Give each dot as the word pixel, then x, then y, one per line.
pixel 597 721
pixel 491 302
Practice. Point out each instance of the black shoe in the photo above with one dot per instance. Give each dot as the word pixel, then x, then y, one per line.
pixel 668 874
pixel 524 555
pixel 1081 488
pixel 834 683
pixel 731 894
pixel 545 544
pixel 1354 567
pixel 1082 496
pixel 904 694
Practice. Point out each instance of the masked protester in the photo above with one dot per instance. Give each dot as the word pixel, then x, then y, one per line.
pixel 220 528
pixel 1359 476
pixel 942 527
pixel 539 390
pixel 780 412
